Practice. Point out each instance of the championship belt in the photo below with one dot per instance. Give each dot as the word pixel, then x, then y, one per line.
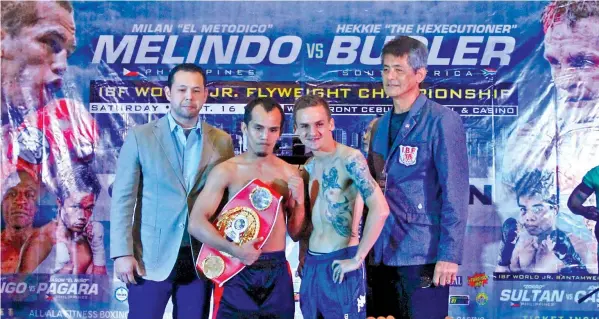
pixel 250 214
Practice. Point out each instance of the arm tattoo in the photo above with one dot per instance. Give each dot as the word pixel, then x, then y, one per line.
pixel 358 171
pixel 338 209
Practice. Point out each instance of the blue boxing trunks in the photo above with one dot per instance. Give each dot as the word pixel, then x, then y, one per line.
pixel 261 290
pixel 321 297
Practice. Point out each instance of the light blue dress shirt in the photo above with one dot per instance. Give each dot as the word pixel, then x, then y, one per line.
pixel 189 152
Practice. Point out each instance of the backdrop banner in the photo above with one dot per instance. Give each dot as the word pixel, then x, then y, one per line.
pixel 524 76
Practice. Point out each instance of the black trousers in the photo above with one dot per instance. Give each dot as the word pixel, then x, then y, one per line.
pixel 405 292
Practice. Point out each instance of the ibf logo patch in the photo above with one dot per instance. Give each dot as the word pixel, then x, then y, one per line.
pixel 408 155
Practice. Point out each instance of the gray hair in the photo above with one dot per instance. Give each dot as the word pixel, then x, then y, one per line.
pixel 402 45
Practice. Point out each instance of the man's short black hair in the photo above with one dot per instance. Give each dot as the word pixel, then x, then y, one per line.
pixel 78 177
pixel 187 67
pixel 268 104
pixel 537 183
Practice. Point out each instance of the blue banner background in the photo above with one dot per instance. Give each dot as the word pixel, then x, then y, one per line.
pixel 316 27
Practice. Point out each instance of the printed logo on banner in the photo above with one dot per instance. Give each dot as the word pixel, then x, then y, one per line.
pixel 407 155
pixel 482 298
pixel 461 300
pixel 478 280
pixel 121 294
pixel 32 145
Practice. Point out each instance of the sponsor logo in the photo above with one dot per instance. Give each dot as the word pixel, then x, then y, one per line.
pixel 482 298
pixel 121 294
pixel 478 280
pixel 459 300
pixel 457 282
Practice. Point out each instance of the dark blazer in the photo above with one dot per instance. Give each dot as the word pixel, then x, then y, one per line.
pixel 425 178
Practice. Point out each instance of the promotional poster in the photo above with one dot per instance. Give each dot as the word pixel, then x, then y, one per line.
pixel 524 77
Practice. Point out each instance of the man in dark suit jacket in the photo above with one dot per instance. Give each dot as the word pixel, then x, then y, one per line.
pixel 161 169
pixel 418 155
